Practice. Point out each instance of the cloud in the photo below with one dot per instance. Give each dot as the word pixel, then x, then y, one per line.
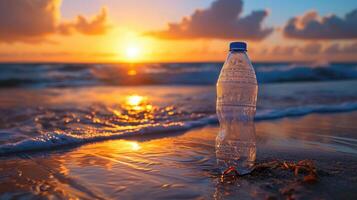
pixel 221 20
pixel 97 26
pixel 56 54
pixel 31 21
pixel 334 48
pixel 311 48
pixel 284 50
pixel 338 49
pixel 312 26
pixel 291 50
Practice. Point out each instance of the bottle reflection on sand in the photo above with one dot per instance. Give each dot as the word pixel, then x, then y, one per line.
pixel 237 150
pixel 237 188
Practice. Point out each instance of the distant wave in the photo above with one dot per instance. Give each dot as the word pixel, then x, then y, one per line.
pixel 59 139
pixel 74 75
pixel 312 72
pixel 304 110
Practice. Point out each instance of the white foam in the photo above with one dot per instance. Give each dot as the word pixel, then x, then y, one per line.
pixel 56 140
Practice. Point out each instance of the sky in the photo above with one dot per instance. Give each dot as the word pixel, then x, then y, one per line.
pixel 176 30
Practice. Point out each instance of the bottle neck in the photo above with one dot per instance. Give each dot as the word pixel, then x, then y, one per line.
pixel 237 59
pixel 237 51
pixel 237 55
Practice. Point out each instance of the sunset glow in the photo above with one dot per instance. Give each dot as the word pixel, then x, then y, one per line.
pixel 132 52
pixel 157 99
pixel 112 32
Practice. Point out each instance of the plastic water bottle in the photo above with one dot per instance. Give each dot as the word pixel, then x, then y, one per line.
pixel 237 91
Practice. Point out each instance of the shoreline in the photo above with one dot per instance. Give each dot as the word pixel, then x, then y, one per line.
pixel 183 165
pixel 57 141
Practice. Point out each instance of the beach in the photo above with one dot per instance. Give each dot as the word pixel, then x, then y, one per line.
pixel 213 99
pixel 69 133
pixel 181 165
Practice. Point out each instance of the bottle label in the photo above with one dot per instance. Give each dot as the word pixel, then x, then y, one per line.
pixel 238 75
pixel 237 95
pixel 237 85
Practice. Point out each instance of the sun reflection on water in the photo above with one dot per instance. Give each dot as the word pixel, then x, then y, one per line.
pixel 134 100
pixel 135 146
pixel 138 103
pixel 132 72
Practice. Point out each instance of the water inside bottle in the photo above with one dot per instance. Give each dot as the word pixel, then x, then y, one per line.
pixel 236 105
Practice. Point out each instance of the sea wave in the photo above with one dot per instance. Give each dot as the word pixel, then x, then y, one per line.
pixel 57 139
pixel 306 72
pixel 304 110
pixel 74 75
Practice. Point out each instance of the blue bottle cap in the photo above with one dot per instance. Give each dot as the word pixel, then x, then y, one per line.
pixel 238 46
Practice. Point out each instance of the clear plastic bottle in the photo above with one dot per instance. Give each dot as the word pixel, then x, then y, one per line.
pixel 237 91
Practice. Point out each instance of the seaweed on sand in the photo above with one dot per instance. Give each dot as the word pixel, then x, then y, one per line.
pixel 278 178
pixel 304 168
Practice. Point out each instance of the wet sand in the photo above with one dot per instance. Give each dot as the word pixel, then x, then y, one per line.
pixel 181 165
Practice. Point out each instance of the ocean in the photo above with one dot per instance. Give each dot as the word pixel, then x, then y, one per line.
pixel 51 106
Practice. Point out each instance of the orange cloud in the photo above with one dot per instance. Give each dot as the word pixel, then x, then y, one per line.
pixel 221 20
pixel 32 21
pixel 284 50
pixel 339 49
pixel 311 48
pixel 97 26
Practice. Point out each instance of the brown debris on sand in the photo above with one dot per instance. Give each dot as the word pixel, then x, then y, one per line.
pixel 229 175
pixel 283 179
pixel 304 169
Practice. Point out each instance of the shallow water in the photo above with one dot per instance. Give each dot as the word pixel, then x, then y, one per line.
pixel 182 165
pixel 52 118
pixel 36 119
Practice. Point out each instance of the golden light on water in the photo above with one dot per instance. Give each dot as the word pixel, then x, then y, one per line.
pixel 134 100
pixel 132 72
pixel 137 103
pixel 148 107
pixel 135 146
pixel 138 109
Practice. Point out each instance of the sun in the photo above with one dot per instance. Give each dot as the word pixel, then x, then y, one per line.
pixel 132 52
